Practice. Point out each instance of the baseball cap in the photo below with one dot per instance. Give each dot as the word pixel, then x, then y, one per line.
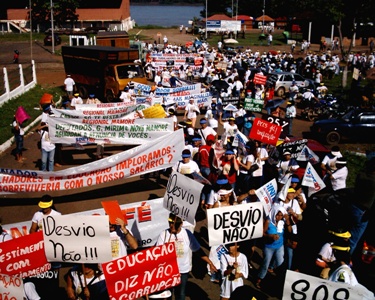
pixel 228 152
pixel 286 153
pixel 335 151
pixel 186 153
pixel 291 190
pixel 203 121
pixel 295 180
pixel 76 94
pixel 210 137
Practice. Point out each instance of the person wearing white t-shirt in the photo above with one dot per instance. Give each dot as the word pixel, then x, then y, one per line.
pixel 185 244
pixel 186 165
pixel 69 85
pixel 46 209
pixel 76 100
pixel 205 130
pixel 121 237
pixel 191 111
pixel 338 177
pixel 47 147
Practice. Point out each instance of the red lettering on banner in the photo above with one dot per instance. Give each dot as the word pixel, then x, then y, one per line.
pixel 144 212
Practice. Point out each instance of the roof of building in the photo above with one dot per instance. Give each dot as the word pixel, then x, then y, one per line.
pixel 265 18
pixel 243 18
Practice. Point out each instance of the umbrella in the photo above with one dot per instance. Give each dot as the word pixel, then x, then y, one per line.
pixel 230 41
pixel 220 84
pixel 230 107
pixel 274 103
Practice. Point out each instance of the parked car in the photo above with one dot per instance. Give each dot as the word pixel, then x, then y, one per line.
pixel 283 81
pixel 354 125
pixel 48 39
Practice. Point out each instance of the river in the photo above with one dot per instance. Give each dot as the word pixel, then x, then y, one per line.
pixel 164 15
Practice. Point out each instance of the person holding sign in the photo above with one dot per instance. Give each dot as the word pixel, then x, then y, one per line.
pixel 120 237
pixel 185 244
pixel 47 209
pixel 86 282
pixel 273 233
pixel 234 269
pixel 186 165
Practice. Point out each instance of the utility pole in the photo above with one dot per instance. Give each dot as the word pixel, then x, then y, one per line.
pixel 52 30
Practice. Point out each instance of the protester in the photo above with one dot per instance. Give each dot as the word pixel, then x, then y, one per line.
pixel 230 130
pixel 18 137
pixel 290 114
pixel 230 167
pixel 76 100
pixel 338 177
pixel 86 281
pixel 46 209
pixel 205 130
pixel 69 85
pixel 121 237
pixel 186 165
pixel 47 147
pixel 234 268
pixel 191 111
pixel 186 244
pixel 286 167
pixel 4 236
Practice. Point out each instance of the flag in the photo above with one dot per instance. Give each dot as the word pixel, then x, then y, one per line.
pixel 267 194
pixel 308 155
pixel 284 190
pixel 260 79
pixel 240 140
pixel 312 180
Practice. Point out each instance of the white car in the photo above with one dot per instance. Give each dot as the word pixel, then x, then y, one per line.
pixel 283 81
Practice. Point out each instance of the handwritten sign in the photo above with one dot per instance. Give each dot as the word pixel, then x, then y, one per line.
pixel 182 196
pixel 142 273
pixel 301 286
pixel 77 239
pixel 229 224
pixel 149 157
pixel 11 287
pixel 278 121
pixel 260 79
pixel 255 105
pixel 265 131
pixel 24 256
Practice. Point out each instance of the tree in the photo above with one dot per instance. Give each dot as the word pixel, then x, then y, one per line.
pixel 63 11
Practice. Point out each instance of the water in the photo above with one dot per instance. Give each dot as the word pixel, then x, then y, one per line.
pixel 165 16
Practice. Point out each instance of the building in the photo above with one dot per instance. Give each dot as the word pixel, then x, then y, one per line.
pixel 246 21
pixel 111 14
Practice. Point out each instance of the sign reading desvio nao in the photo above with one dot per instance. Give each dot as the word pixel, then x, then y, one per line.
pixel 142 273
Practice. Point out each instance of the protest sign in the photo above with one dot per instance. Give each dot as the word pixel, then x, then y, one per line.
pixel 11 288
pixel 230 100
pixel 235 223
pixel 182 196
pixel 24 256
pixel 308 155
pixel 267 194
pixel 260 79
pixel 265 131
pixel 294 147
pixel 149 157
pixel 145 220
pixel 255 105
pixel 77 239
pixel 142 273
pixel 113 210
pixel 301 286
pixel 312 180
pixel 202 100
pixel 278 121
pixel 110 131
pixel 140 103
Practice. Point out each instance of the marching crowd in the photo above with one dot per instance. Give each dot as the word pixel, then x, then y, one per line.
pixel 234 167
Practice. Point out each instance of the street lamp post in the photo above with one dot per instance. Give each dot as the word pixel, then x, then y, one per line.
pixel 52 30
pixel 206 21
pixel 31 31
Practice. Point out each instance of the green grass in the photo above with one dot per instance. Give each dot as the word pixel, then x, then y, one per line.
pixel 29 101
pixel 354 164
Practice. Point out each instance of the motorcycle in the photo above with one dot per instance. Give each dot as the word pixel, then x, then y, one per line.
pixel 323 109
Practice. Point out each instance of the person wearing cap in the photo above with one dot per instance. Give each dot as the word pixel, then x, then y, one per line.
pixel 290 114
pixel 173 80
pixel 65 104
pixel 191 111
pixel 205 130
pixel 248 159
pixel 46 113
pixel 76 100
pixel 338 177
pixel 230 130
pixel 69 85
pixel 234 268
pixel 206 156
pixel 286 167
pixel 186 165
pixel 299 194
pixel 239 115
pixel 230 166
pixel 274 227
pixel 329 161
pixel 173 114
pixel 46 209
pixel 92 100
pixel 185 244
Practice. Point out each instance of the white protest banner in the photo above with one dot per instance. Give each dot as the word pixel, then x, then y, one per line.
pixel 301 286
pixel 141 89
pixel 145 220
pixel 182 196
pixel 236 223
pixel 266 194
pixel 11 287
pixel 157 155
pixel 112 105
pixel 98 113
pixel 115 131
pixel 202 99
pixel 142 273
pixel 312 180
pixel 191 89
pixel 77 239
